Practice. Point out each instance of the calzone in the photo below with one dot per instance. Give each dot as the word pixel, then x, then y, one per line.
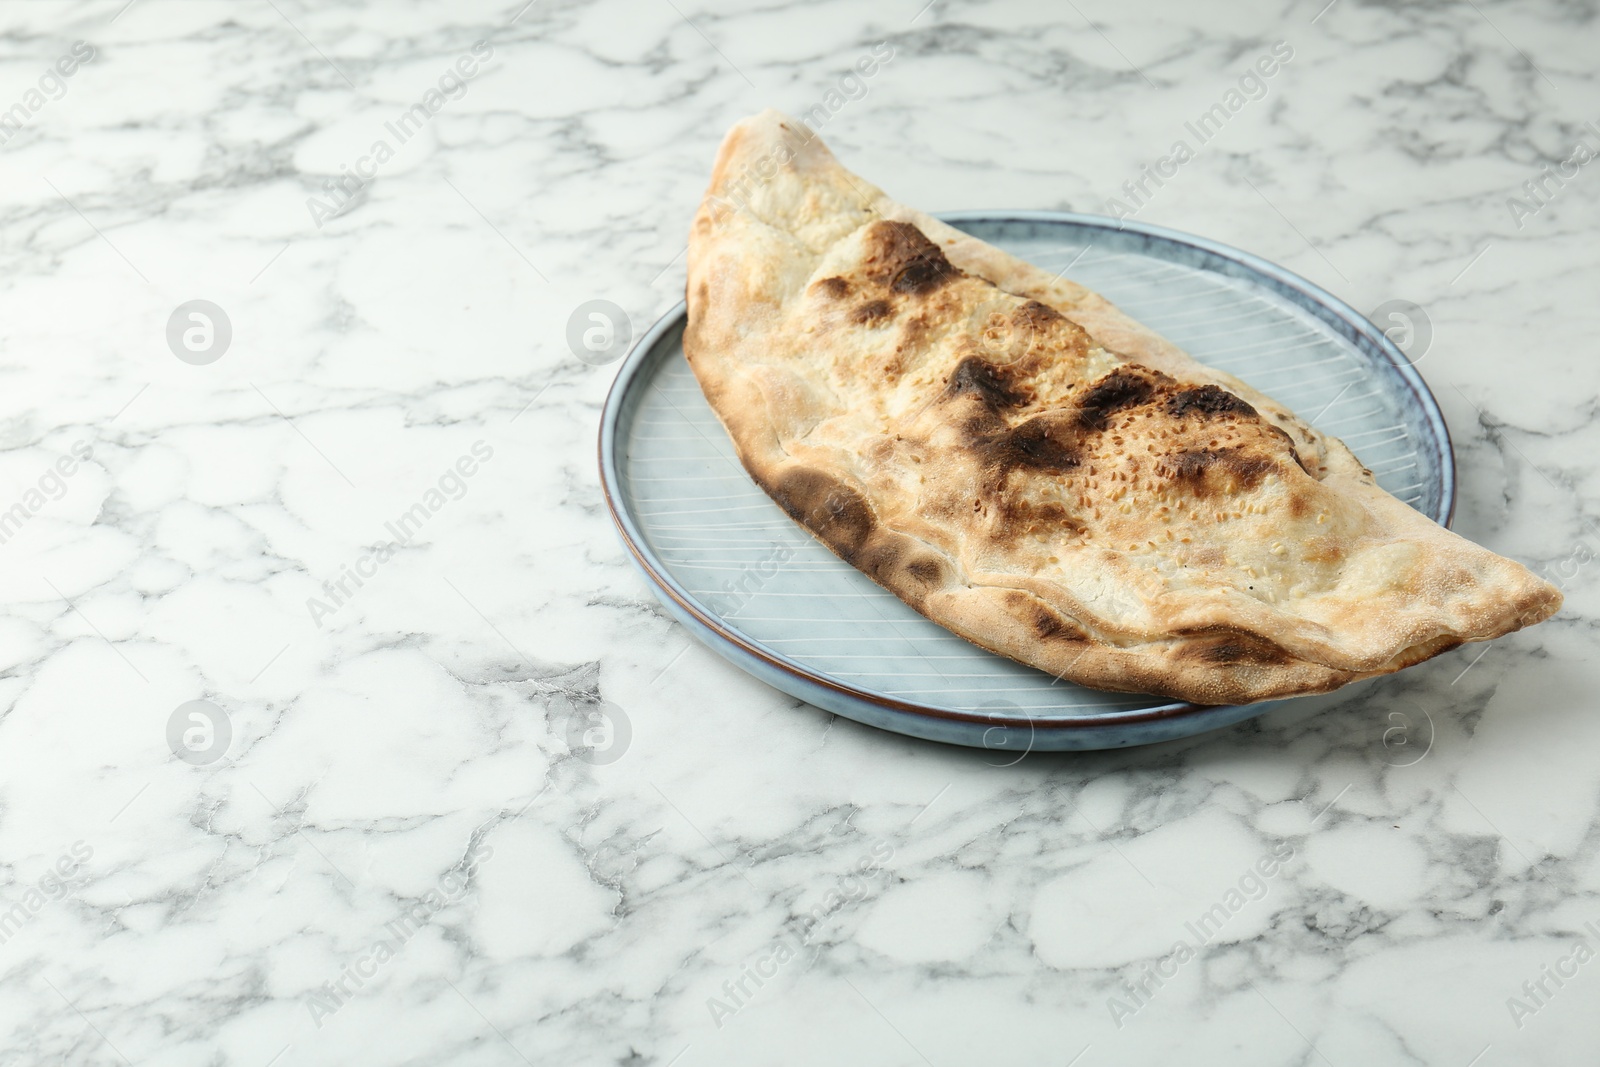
pixel 1032 469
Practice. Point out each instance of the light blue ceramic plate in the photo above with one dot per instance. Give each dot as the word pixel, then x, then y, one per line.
pixel 747 581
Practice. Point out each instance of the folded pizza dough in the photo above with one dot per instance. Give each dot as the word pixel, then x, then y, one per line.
pixel 1030 468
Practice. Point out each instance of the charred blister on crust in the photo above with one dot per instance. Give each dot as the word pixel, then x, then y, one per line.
pixel 1223 471
pixel 879 561
pixel 1032 320
pixel 1020 519
pixel 1044 621
pixel 1033 327
pixel 1121 389
pixel 989 383
pixel 835 287
pixel 928 572
pixel 1049 626
pixel 899 564
pixel 1294 453
pixel 870 312
pixel 1043 443
pixel 1223 646
pixel 923 277
pixel 1036 316
pixel 900 256
pixel 1207 401
pixel 827 507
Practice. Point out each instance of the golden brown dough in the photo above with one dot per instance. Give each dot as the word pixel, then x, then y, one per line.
pixel 1027 466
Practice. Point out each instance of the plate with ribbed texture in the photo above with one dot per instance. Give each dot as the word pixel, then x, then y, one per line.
pixel 731 566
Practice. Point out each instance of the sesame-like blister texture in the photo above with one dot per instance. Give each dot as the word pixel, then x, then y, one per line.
pixel 1025 465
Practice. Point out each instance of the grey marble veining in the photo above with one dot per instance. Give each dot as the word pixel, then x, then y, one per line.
pixel 388 836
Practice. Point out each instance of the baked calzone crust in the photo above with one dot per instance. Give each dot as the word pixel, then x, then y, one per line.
pixel 1032 469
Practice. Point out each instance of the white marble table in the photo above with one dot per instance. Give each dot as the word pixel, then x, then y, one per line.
pixel 379 849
